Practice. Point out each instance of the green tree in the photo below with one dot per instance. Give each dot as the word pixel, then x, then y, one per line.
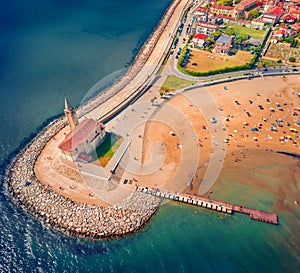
pixel 240 38
pixel 217 33
pixel 229 31
pixel 253 14
pixel 279 61
pixel 292 59
pixel 225 2
pixel 210 40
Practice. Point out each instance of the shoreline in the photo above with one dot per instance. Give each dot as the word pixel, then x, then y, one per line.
pixel 30 194
pixel 58 211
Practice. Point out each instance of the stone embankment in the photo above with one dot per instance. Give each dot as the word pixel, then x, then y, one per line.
pixel 135 68
pixel 63 214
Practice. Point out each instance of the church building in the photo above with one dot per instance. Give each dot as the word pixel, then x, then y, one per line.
pixel 84 137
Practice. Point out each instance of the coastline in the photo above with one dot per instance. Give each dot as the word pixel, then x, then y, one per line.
pixel 58 211
pixel 29 193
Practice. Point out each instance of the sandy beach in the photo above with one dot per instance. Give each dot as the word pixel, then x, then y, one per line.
pixel 253 114
pixel 180 143
pixel 243 121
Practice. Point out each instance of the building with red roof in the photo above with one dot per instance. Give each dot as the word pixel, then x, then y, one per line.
pixel 296 27
pixel 206 28
pixel 221 10
pixel 83 139
pixel 199 40
pixel 242 9
pixel 273 15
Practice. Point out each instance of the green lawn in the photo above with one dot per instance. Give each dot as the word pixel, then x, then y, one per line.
pixel 173 83
pixel 107 148
pixel 260 34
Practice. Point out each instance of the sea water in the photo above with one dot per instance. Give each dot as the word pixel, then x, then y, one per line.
pixel 49 49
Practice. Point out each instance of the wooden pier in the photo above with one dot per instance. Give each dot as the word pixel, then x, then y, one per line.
pixel 212 204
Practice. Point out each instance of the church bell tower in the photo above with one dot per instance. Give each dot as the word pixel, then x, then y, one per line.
pixel 71 115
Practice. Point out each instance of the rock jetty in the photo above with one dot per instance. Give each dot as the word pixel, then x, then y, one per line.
pixel 61 213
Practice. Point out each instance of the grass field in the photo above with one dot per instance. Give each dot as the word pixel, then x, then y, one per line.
pixel 260 34
pixel 173 83
pixel 207 61
pixel 107 148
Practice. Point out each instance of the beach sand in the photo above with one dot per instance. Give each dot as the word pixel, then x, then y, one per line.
pixel 233 102
pixel 189 153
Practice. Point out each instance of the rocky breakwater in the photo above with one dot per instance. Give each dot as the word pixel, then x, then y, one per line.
pixel 61 213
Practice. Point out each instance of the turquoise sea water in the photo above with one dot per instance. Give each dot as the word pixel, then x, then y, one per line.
pixel 57 48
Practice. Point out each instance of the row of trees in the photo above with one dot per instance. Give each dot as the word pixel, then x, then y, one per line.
pixel 292 41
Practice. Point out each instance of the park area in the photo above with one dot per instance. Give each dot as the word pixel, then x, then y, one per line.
pixel 255 33
pixel 173 83
pixel 204 61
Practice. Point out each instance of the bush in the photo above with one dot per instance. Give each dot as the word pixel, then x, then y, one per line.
pixel 292 59
pixel 279 61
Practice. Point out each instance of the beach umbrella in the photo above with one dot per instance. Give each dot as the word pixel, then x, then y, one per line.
pixel 245 123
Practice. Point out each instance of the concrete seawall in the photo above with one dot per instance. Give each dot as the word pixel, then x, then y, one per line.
pixel 135 68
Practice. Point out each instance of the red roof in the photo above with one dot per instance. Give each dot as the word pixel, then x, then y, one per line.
pixel 290 18
pixel 207 25
pixel 200 36
pixel 221 7
pixel 279 31
pixel 283 27
pixel 276 11
pixel 80 134
pixel 202 9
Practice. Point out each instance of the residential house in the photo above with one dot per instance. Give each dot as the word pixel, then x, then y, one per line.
pixel 296 27
pixel 206 28
pixel 255 41
pixel 223 44
pixel 258 24
pixel 274 39
pixel 199 40
pixel 221 10
pixel 200 15
pixel 273 15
